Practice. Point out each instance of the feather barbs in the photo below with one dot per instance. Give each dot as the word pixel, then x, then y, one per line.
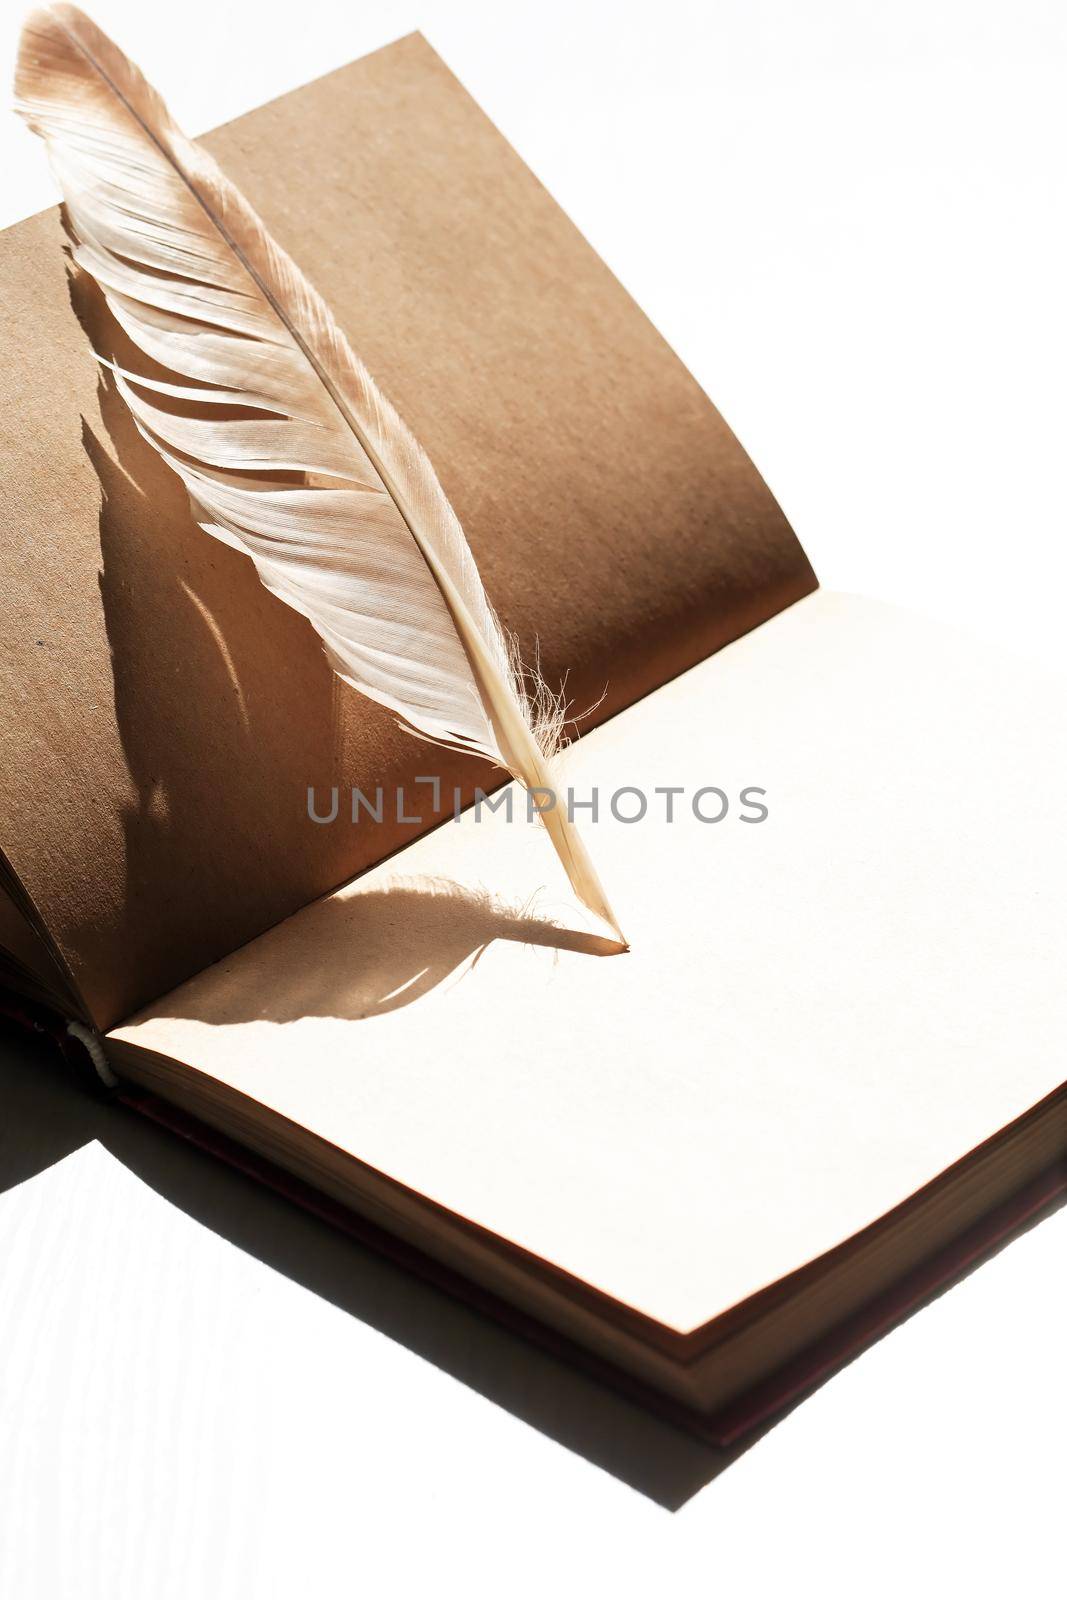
pixel 248 377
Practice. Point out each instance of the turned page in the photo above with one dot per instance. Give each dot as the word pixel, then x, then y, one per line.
pixel 164 715
pixel 846 972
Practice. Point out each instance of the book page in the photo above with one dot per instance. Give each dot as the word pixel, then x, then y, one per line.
pixel 19 940
pixel 821 1010
pixel 164 715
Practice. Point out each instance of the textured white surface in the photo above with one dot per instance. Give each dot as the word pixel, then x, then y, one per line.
pixel 179 1420
pixel 850 222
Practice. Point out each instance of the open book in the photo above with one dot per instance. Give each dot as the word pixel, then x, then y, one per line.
pixel 829 1070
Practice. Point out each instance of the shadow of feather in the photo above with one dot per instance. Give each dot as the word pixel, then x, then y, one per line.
pixel 366 953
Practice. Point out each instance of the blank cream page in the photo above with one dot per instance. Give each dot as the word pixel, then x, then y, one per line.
pixel 820 1011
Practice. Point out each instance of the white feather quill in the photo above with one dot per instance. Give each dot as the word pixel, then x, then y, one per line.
pixel 368 548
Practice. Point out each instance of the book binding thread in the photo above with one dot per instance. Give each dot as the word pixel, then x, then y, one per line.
pixel 90 1039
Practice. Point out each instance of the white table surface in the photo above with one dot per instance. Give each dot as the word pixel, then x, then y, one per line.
pixel 850 222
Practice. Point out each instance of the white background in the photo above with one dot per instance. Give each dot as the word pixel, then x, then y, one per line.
pixel 849 219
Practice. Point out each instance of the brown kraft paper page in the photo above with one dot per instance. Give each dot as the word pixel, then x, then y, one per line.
pixel 163 715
